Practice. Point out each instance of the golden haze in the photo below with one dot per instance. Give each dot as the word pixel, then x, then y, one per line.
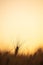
pixel 24 19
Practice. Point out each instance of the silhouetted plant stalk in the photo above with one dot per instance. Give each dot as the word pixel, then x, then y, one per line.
pixel 17 49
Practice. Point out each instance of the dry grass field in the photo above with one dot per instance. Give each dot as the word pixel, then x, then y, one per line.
pixel 10 59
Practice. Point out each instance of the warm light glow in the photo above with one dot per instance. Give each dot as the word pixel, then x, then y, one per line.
pixel 21 19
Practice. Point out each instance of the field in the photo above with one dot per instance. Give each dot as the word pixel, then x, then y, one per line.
pixel 11 59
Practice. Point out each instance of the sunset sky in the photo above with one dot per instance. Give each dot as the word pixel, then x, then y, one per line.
pixel 21 20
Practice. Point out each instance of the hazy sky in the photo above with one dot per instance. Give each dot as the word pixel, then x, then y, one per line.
pixel 21 19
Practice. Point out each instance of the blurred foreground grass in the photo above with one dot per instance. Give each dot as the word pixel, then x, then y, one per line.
pixel 10 59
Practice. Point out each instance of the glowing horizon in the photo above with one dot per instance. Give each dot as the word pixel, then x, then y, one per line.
pixel 22 19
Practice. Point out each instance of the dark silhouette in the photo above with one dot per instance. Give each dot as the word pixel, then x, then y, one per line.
pixel 16 50
pixel 9 59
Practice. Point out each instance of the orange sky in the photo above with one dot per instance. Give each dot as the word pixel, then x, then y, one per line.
pixel 21 19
